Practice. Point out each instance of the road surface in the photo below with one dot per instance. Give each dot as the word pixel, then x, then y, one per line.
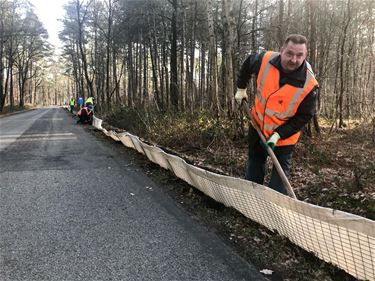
pixel 74 208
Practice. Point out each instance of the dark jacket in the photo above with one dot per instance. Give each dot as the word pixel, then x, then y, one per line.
pixel 306 109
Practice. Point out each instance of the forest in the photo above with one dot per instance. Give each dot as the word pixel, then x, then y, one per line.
pixel 183 55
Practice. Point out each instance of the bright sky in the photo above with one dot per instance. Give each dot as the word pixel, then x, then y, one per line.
pixel 49 11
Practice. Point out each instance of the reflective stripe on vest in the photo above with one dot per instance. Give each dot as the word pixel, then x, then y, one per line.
pixel 274 105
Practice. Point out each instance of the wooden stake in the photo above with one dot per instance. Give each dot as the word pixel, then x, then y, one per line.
pixel 270 152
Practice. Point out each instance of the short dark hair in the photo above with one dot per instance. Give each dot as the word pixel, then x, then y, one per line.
pixel 296 39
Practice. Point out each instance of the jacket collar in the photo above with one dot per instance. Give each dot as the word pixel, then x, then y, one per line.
pixel 296 78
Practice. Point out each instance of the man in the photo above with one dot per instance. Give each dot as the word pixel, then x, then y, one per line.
pixel 85 115
pixel 90 103
pixel 284 103
pixel 80 102
pixel 72 103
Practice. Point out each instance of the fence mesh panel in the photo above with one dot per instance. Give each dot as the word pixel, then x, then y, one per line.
pixel 340 238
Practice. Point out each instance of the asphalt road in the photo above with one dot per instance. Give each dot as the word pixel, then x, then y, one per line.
pixel 74 208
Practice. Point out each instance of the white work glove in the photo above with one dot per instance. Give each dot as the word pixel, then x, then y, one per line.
pixel 273 139
pixel 240 95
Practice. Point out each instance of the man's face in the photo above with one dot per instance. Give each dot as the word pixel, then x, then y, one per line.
pixel 292 56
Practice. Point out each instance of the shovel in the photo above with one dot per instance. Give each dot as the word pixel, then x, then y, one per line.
pixel 270 152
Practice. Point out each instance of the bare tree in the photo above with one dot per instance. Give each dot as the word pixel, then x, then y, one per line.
pixel 213 83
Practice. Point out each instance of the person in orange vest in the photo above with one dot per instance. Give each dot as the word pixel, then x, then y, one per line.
pixel 284 103
pixel 85 115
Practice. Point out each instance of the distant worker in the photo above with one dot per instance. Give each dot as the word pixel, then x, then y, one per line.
pixel 72 102
pixel 85 115
pixel 80 102
pixel 90 103
pixel 284 103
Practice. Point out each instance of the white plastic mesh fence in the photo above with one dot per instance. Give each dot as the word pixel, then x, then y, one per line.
pixel 340 238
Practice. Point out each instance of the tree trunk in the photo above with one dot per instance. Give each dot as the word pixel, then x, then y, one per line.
pixel 108 53
pixel 131 75
pixel 154 65
pixel 342 56
pixel 202 84
pixel 229 36
pixel 254 27
pixel 312 8
pixel 82 49
pixel 164 72
pixel 280 30
pixel 115 75
pixel 136 69
pixel 174 74
pixel 145 76
pixel 213 86
pixel 190 88
pixel 181 87
pixel 2 92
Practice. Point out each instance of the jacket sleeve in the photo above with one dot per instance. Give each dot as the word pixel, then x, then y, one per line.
pixel 250 66
pixel 305 112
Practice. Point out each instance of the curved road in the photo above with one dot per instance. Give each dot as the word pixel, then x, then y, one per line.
pixel 73 208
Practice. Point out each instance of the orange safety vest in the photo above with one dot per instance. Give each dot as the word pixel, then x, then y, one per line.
pixel 274 105
pixel 80 111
